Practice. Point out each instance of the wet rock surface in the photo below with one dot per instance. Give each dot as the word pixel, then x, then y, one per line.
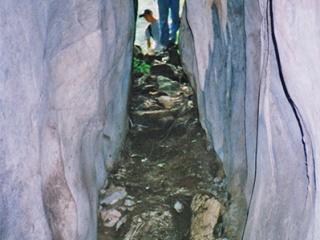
pixel 169 184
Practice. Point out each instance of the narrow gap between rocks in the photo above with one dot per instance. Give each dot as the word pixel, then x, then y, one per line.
pixel 169 184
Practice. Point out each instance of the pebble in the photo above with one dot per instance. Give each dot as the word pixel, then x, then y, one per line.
pixel 120 222
pixel 113 195
pixel 110 217
pixel 190 104
pixel 178 206
pixel 129 203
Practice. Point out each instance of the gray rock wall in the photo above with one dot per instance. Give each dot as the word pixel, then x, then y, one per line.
pixel 64 79
pixel 287 138
pixel 254 66
pixel 213 54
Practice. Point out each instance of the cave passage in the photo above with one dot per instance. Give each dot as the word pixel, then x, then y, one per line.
pixel 169 183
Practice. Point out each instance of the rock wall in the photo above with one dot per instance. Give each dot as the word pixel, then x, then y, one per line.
pixel 213 55
pixel 287 149
pixel 253 64
pixel 64 79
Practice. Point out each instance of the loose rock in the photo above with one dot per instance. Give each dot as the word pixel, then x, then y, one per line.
pixel 205 212
pixel 178 206
pixel 110 217
pixel 155 225
pixel 113 195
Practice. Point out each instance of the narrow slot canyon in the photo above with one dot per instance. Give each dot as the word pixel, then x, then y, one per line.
pixel 168 184
pixel 232 133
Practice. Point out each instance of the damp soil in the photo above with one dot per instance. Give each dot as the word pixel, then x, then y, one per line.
pixel 161 170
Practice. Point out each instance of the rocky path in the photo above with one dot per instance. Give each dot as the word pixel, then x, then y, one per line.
pixel 169 185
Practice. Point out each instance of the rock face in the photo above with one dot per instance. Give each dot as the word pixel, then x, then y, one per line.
pixel 256 75
pixel 64 80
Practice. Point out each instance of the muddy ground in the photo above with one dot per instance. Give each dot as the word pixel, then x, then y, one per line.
pixel 163 174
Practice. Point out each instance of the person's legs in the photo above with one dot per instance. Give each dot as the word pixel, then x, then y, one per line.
pixel 164 27
pixel 174 7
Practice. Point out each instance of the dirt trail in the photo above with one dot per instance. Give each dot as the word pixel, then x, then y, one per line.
pixel 169 184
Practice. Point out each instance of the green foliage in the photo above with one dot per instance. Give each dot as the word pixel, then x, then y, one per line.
pixel 140 66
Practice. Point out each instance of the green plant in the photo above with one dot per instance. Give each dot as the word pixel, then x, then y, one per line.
pixel 140 66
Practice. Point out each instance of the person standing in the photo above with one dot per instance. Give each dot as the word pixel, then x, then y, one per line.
pixel 152 30
pixel 168 34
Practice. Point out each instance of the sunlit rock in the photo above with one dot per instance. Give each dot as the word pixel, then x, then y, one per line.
pixel 205 214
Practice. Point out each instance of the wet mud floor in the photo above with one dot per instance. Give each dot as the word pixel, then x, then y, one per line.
pixel 169 184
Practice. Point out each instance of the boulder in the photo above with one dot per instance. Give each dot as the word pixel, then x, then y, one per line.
pixel 165 70
pixel 168 70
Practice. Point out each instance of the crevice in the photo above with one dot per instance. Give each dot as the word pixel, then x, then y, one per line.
pixel 286 92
